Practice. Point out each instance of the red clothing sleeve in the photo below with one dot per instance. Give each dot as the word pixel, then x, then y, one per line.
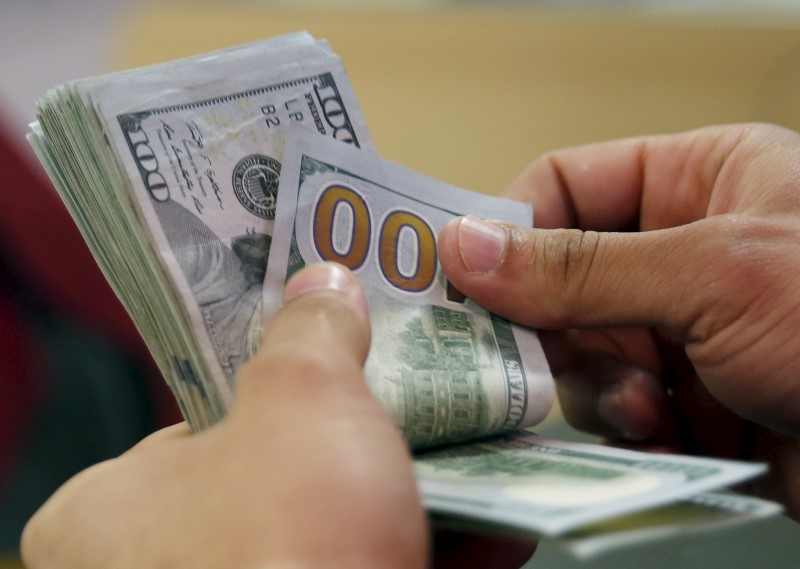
pixel 39 240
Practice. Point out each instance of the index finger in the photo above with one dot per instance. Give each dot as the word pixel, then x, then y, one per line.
pixel 641 183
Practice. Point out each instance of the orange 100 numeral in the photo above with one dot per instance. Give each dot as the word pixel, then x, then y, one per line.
pixel 331 199
pixel 389 244
pixel 421 279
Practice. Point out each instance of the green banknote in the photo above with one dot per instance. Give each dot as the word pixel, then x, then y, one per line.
pixel 445 368
pixel 171 173
pixel 704 513
pixel 523 481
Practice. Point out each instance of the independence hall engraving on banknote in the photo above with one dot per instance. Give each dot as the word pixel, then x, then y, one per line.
pixel 443 392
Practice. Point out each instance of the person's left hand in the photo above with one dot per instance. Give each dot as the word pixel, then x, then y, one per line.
pixel 307 470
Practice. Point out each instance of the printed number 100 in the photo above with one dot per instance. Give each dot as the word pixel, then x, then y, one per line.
pixel 396 228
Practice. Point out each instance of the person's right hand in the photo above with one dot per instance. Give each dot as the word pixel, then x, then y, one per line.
pixel 671 267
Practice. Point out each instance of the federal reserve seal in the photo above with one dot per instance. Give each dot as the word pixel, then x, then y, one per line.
pixel 255 183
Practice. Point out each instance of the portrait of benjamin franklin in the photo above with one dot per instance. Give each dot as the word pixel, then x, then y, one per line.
pixel 226 282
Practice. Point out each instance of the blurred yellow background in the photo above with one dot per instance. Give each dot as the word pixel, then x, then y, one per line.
pixel 470 95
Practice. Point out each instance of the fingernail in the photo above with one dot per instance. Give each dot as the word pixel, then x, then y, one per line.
pixel 328 277
pixel 612 409
pixel 320 277
pixel 481 244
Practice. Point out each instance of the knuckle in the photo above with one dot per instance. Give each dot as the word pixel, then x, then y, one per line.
pixel 744 262
pixel 763 130
pixel 561 265
pixel 291 364
pixel 328 315
pixel 305 363
pixel 735 250
pixel 311 344
pixel 567 259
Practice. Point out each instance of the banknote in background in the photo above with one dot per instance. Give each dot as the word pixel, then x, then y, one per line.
pixel 704 513
pixel 524 482
pixel 445 368
pixel 171 173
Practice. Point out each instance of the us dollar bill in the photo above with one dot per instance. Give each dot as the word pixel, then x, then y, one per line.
pixel 444 367
pixel 705 513
pixel 171 172
pixel 523 482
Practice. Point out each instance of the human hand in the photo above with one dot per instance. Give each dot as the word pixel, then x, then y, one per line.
pixel 666 268
pixel 307 470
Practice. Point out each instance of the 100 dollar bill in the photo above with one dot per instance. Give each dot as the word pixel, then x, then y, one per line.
pixel 171 173
pixel 445 368
pixel 704 513
pixel 521 481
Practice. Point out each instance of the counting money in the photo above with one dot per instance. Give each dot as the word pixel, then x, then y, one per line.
pixel 181 181
pixel 444 367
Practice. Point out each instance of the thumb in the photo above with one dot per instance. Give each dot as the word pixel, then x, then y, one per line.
pixel 314 348
pixel 567 278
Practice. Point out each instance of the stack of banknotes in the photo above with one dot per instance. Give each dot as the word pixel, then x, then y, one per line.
pixel 202 185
